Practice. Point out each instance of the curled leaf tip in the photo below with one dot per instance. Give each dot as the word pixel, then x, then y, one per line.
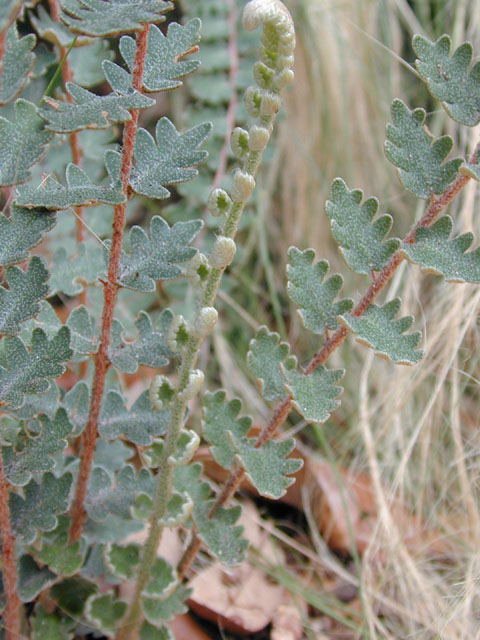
pixel 259 12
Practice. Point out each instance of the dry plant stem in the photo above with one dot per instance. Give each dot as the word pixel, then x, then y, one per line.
pixel 232 105
pixel 282 410
pixel 11 614
pixel 110 293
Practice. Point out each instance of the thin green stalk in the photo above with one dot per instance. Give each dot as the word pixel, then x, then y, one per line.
pixel 58 71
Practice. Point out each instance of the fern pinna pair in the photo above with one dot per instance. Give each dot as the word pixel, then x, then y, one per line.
pixel 80 469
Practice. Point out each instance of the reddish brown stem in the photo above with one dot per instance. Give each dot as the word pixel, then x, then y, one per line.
pixel 3 38
pixel 110 293
pixel 232 105
pixel 11 614
pixel 282 410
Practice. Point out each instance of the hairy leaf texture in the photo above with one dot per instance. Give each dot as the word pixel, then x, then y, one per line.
pixel 36 447
pixel 80 190
pixel 22 231
pixel 420 157
pixel 38 510
pixel 62 558
pixel 314 396
pixel 221 417
pixel 220 533
pixel 110 17
pixel 22 143
pixel 264 357
pixel 452 79
pixel 362 243
pixel 32 579
pixel 90 111
pixel 313 296
pixel 159 611
pixel 167 160
pixel 70 274
pixel 29 371
pixel 17 63
pixel 55 32
pixel 149 348
pixel 377 328
pixel 51 625
pixel 8 11
pixel 21 300
pixel 436 253
pixel 105 612
pixel 156 257
pixel 140 424
pixel 164 62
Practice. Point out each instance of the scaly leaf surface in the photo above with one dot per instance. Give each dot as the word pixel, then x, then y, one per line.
pixel 90 111
pixel 164 62
pixel 21 300
pixel 377 328
pixel 110 17
pixel 419 157
pixel 362 243
pixel 156 257
pixel 169 159
pixel 22 231
pixel 41 440
pixel 314 396
pixel 264 357
pixel 17 62
pixel 450 78
pixel 28 371
pixel 40 506
pixel 314 296
pixel 22 143
pixel 80 191
pixel 436 253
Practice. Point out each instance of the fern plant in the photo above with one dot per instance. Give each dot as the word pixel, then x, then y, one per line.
pixel 81 469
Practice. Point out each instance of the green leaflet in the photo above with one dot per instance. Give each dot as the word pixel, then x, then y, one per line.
pixel 92 111
pixel 436 253
pixel 32 579
pixel 420 157
pixel 105 612
pixel 28 371
pixel 122 560
pixel 451 79
pixel 168 160
pixel 83 333
pixel 267 466
pixel 8 11
pixel 157 257
pixel 22 143
pixel 86 63
pixel 158 611
pixel 471 170
pixel 149 632
pixel 22 231
pixel 378 329
pixel 140 424
pixel 110 17
pixel 17 63
pixel 55 32
pixel 21 300
pixel 264 357
pixel 62 558
pixel 71 594
pixel 219 533
pixel 149 347
pixel 163 579
pixel 221 417
pixel 314 297
pixel 164 63
pixel 314 396
pixel 80 190
pixel 49 626
pixel 40 441
pixel 70 274
pixel 40 506
pixel 362 243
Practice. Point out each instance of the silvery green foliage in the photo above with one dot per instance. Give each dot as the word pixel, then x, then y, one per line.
pixel 264 358
pixel 18 61
pixel 22 231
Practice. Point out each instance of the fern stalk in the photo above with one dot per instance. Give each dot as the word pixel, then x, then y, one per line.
pixel 11 614
pixel 279 21
pixel 110 293
pixel 281 412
